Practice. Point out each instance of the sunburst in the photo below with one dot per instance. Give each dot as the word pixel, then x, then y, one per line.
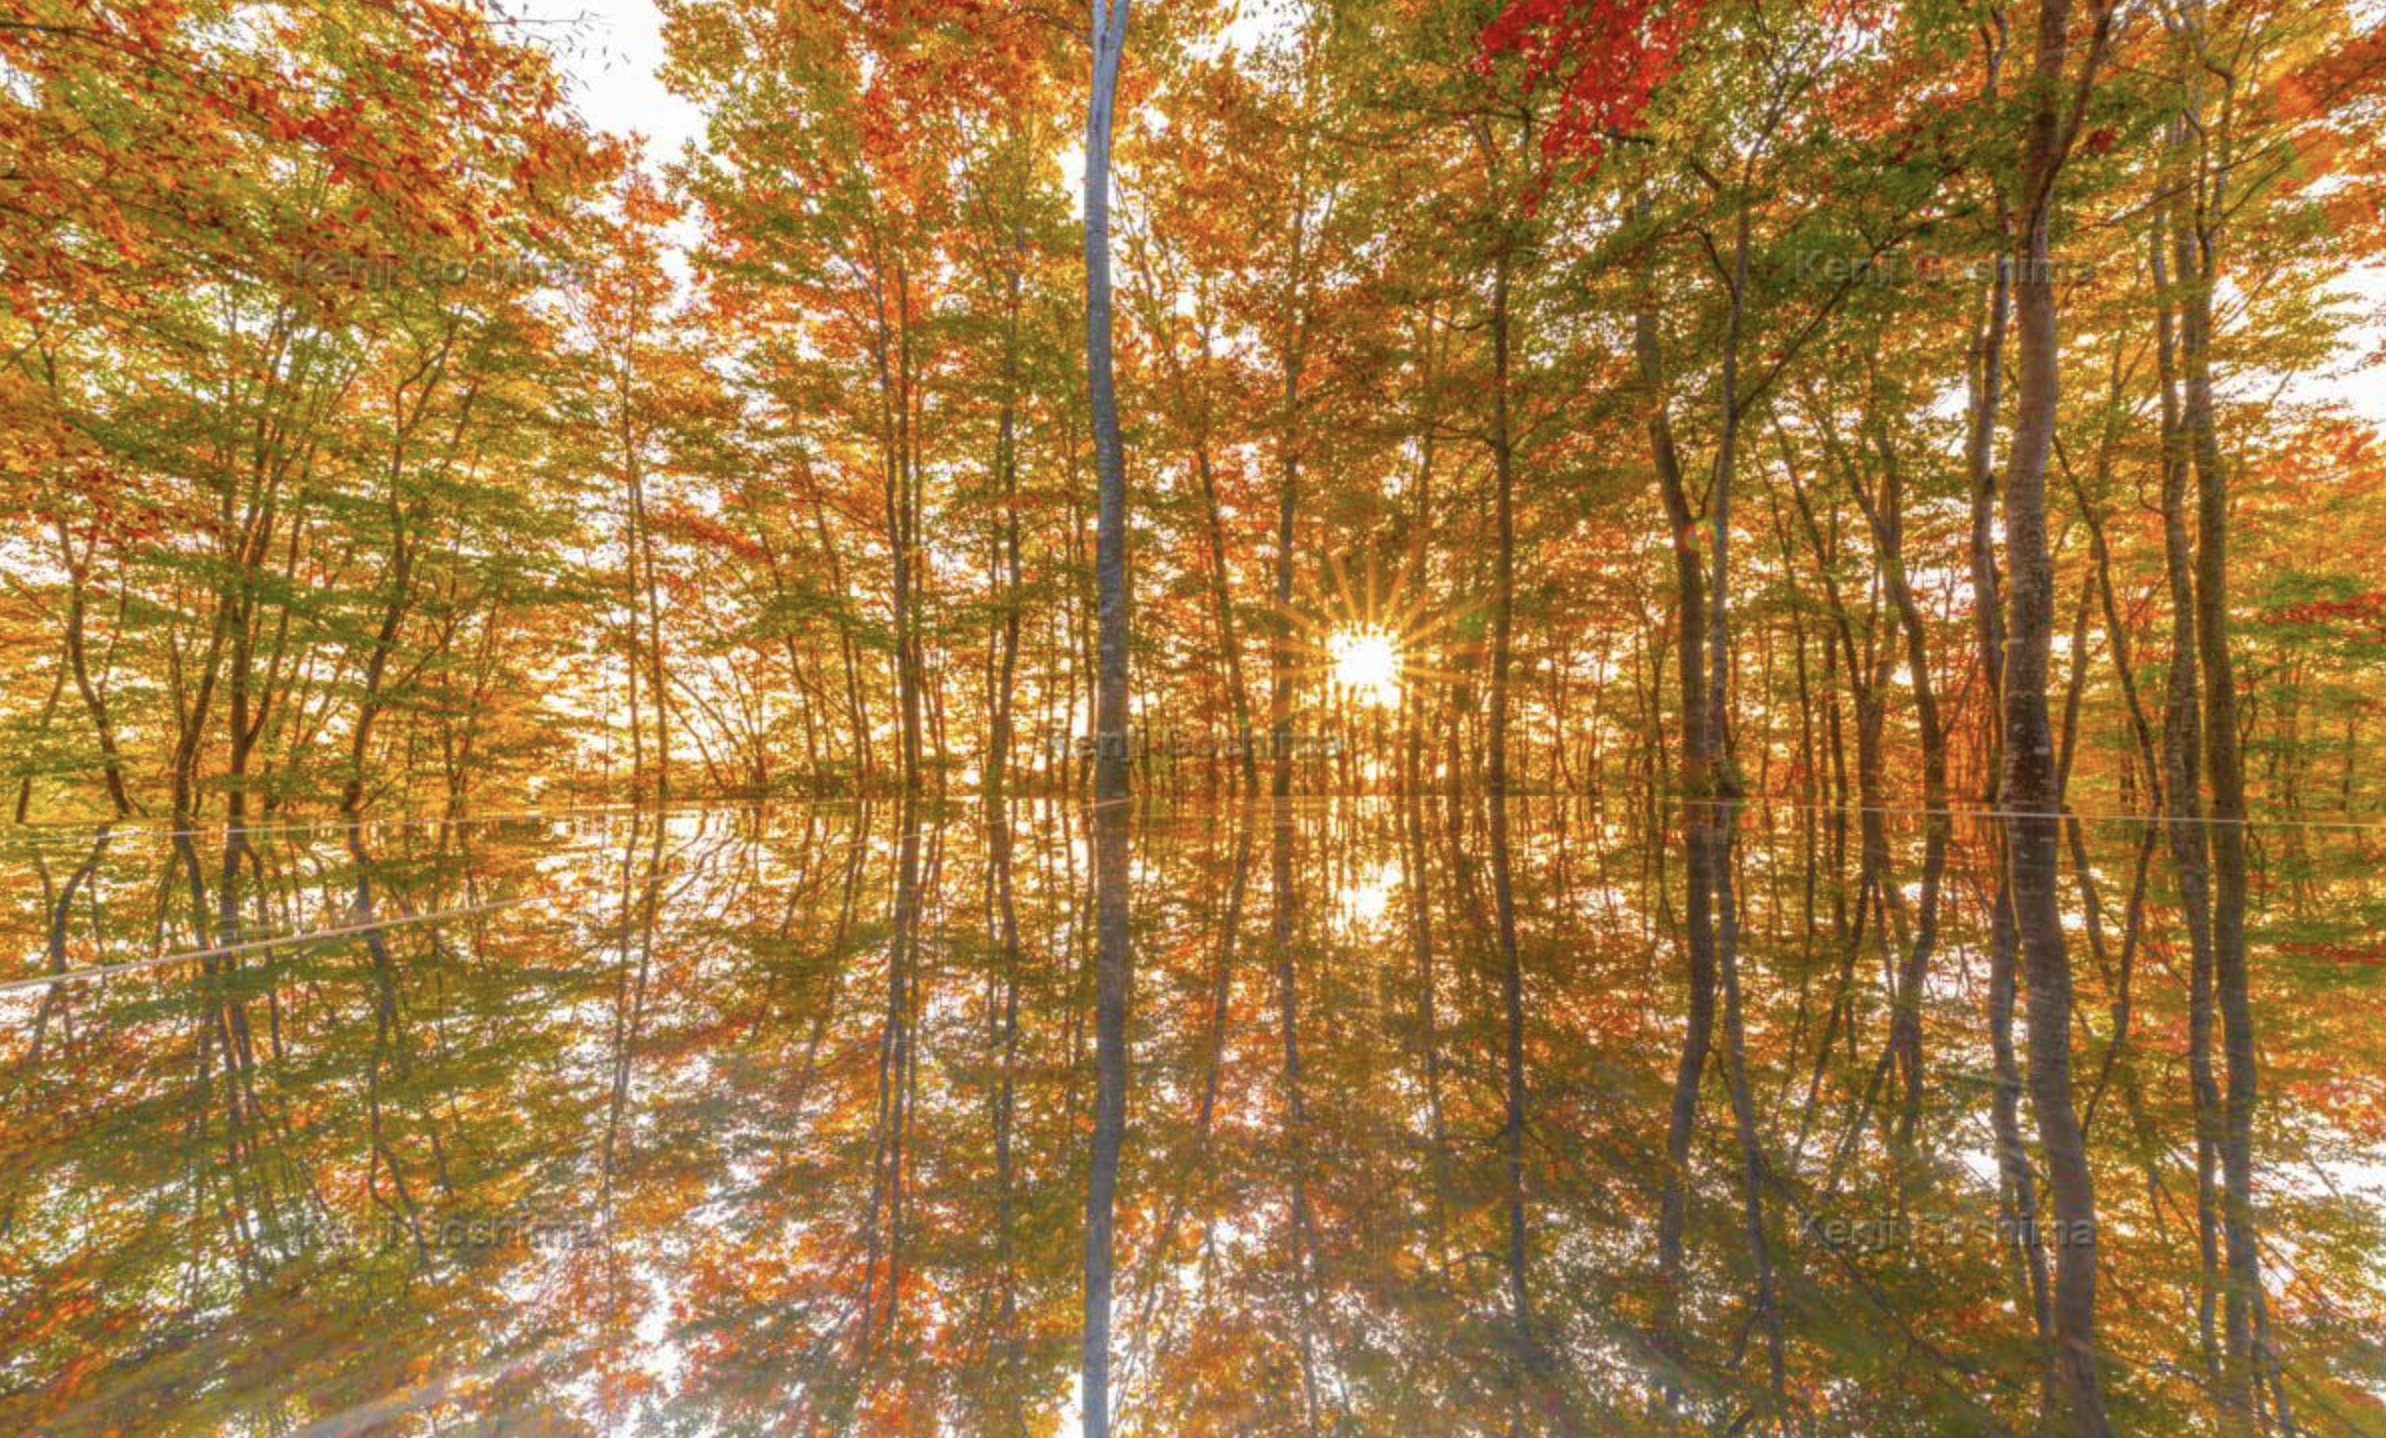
pixel 1367 641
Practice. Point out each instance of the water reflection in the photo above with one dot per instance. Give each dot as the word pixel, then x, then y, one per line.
pixel 744 1122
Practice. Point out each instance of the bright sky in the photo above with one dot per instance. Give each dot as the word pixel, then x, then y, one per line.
pixel 610 50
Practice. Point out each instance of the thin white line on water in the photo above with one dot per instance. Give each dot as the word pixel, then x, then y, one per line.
pixel 68 833
pixel 225 951
pixel 60 834
pixel 63 835
pixel 1755 801
pixel 14 986
pixel 1972 811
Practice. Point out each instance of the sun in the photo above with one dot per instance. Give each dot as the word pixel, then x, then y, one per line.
pixel 1366 664
pixel 1365 641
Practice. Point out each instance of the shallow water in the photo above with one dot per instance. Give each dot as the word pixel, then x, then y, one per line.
pixel 745 1121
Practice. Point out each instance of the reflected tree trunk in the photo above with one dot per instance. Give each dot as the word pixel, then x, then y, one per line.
pixel 1543 1382
pixel 58 903
pixel 1008 1406
pixel 1283 932
pixel 1429 1041
pixel 897 1063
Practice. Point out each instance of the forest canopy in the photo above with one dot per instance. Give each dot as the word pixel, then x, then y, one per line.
pixel 380 432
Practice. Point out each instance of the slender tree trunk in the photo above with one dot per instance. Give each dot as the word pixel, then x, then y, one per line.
pixel 1987 385
pixel 1695 776
pixel 1503 558
pixel 95 702
pixel 2182 746
pixel 1722 815
pixel 1885 515
pixel 2198 212
pixel 1113 966
pixel 2031 789
pixel 1288 485
pixel 1007 561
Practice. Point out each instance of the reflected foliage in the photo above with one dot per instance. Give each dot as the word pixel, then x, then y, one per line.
pixel 746 1121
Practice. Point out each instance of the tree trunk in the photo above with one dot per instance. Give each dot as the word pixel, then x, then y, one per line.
pixel 2031 789
pixel 1110 723
pixel 1695 776
pixel 1503 559
pixel 2195 240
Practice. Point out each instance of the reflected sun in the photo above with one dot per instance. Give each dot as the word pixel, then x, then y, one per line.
pixel 1366 663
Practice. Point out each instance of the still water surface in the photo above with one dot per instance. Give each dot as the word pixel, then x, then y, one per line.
pixel 740 1121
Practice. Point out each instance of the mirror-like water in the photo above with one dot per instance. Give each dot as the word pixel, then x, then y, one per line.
pixel 728 1121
